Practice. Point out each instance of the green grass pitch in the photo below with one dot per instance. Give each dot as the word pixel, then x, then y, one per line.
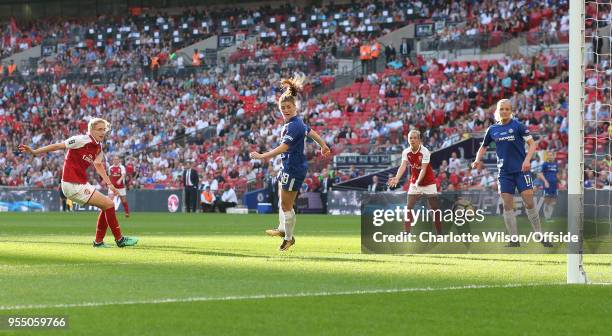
pixel 196 274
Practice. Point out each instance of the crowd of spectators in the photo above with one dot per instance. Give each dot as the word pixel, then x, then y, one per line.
pixel 447 101
pixel 488 23
pixel 14 39
pixel 214 117
pixel 340 27
pixel 107 41
pixel 161 123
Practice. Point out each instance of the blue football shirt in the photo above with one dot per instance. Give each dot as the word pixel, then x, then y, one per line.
pixel 293 135
pixel 549 170
pixel 510 142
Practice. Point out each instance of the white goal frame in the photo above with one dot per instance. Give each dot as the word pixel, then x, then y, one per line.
pixel 575 183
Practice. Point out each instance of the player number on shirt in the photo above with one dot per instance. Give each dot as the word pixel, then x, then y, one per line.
pixel 527 179
pixel 284 178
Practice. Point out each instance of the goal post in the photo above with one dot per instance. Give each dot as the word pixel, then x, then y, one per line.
pixel 575 269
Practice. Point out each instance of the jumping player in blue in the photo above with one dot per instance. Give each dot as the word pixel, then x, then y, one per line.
pixel 514 166
pixel 294 161
pixel 548 175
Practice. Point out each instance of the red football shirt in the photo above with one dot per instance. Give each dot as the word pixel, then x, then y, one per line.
pixel 82 151
pixel 115 173
pixel 416 160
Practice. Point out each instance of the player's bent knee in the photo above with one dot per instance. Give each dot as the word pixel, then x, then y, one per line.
pixel 108 204
pixel 105 205
pixel 101 201
pixel 527 196
pixel 287 206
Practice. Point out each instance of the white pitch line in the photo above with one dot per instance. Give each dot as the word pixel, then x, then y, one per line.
pixel 85 264
pixel 267 296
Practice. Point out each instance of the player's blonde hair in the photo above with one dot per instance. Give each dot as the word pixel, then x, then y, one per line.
pixel 498 106
pixel 94 121
pixel 417 132
pixel 292 86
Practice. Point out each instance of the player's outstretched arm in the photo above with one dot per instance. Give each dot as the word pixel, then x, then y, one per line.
pixel 50 148
pixel 478 160
pixel 477 164
pixel 543 179
pixel 268 155
pixel 400 172
pixel 316 137
pixel 421 174
pixel 122 178
pixel 99 166
pixel 532 148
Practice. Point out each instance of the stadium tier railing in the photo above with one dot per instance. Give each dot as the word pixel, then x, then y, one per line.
pixel 479 41
pixel 101 75
pixel 546 38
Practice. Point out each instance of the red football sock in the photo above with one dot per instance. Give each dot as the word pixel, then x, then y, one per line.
pixel 408 223
pixel 438 222
pixel 126 207
pixel 101 227
pixel 111 219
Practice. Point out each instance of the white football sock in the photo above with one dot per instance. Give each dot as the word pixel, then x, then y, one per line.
pixel 534 218
pixel 289 224
pixel 548 210
pixel 510 221
pixel 281 220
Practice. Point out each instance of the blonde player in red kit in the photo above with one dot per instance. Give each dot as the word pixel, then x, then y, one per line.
pixel 116 173
pixel 422 179
pixel 83 151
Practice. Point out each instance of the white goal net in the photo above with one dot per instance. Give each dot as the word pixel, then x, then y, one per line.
pixel 590 134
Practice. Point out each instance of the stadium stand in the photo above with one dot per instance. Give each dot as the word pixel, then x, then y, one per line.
pixel 170 118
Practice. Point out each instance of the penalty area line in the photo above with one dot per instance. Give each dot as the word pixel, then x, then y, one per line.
pixel 267 296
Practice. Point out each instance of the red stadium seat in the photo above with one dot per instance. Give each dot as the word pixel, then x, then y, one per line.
pixel 534 19
pixel 561 156
pixel 538 115
pixel 533 128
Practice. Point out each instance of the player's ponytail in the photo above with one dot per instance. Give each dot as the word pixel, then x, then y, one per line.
pixel 292 87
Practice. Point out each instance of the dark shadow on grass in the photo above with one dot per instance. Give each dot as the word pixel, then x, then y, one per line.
pixel 44 242
pixel 203 252
pixel 198 251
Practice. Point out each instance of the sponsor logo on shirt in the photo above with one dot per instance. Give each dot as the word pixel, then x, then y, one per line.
pixel 88 158
pixel 506 138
